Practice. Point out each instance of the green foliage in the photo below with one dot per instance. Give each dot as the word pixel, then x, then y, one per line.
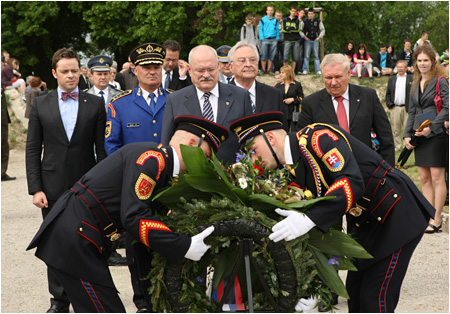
pixel 33 30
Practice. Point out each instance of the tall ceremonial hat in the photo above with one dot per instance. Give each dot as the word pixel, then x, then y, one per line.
pixel 213 133
pixel 100 63
pixel 222 53
pixel 148 53
pixel 248 127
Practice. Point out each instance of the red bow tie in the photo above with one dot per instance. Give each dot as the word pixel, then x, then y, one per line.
pixel 65 95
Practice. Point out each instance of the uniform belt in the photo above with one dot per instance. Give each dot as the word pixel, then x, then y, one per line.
pixel 97 208
pixel 377 179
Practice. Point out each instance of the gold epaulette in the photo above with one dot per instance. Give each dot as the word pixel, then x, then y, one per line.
pixel 122 94
pixel 169 91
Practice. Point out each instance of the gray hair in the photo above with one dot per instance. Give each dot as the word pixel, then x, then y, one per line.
pixel 336 58
pixel 201 47
pixel 239 44
pixel 402 61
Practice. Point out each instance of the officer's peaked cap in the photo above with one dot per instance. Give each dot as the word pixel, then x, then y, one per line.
pixel 248 127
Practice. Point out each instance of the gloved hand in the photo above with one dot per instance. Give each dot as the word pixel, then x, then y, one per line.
pixel 295 225
pixel 198 247
pixel 306 305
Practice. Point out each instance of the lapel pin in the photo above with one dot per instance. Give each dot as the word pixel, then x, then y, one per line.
pixel 228 103
pixel 357 100
pixel 85 100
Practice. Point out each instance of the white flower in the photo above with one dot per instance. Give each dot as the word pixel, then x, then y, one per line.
pixel 242 183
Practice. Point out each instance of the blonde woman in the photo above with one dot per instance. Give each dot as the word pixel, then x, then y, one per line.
pixel 431 153
pixel 292 91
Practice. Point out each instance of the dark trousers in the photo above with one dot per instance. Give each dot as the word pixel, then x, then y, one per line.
pixel 5 148
pixel 377 288
pixel 140 265
pixel 56 289
pixel 299 66
pixel 278 61
pixel 88 297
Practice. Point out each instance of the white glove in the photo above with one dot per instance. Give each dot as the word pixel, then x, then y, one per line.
pixel 306 305
pixel 295 225
pixel 198 247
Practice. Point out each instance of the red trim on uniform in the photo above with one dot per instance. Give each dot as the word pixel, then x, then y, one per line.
pixel 157 155
pixel 390 209
pixel 101 205
pixel 389 273
pixel 82 197
pixel 113 111
pixel 345 185
pixel 381 201
pixel 84 286
pixel 90 241
pixel 90 226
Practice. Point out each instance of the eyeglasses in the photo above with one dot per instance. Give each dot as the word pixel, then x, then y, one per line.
pixel 201 71
pixel 171 60
pixel 242 61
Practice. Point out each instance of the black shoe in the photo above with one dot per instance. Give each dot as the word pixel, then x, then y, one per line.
pixel 117 260
pixel 333 301
pixel 142 310
pixel 371 79
pixel 55 309
pixel 6 177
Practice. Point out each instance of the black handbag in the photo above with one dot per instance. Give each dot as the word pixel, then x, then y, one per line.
pixel 296 115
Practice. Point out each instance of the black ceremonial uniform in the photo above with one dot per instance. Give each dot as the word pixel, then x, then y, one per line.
pixel 116 192
pixel 386 213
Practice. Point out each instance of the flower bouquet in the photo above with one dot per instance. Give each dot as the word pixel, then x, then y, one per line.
pixel 239 201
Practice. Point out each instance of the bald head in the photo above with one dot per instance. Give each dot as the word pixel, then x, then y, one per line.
pixel 203 69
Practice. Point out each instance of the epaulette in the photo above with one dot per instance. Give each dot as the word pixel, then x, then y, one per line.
pixel 169 91
pixel 123 94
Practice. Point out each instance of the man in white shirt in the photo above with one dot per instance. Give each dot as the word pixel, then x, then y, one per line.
pixel 397 100
pixel 100 67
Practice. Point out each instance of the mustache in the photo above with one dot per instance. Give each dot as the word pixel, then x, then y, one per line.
pixel 206 79
pixel 153 76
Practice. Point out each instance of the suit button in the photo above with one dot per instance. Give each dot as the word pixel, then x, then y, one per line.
pixel 154 121
pixel 81 229
pixel 379 218
pixel 155 135
pixel 395 195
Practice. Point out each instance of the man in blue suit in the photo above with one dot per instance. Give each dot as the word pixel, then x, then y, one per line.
pixel 136 115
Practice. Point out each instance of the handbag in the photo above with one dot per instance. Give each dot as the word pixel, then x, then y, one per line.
pixel 296 115
pixel 437 98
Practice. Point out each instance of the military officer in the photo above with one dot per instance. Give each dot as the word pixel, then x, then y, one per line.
pixel 100 67
pixel 386 213
pixel 136 115
pixel 225 75
pixel 116 195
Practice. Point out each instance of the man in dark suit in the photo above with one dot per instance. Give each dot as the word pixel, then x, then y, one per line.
pixel 69 125
pixel 208 98
pixel 175 74
pixel 244 59
pixel 397 100
pixel 84 83
pixel 130 78
pixel 356 109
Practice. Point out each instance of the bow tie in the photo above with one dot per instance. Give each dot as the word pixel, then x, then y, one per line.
pixel 65 95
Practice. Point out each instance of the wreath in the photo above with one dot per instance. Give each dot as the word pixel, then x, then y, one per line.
pixel 240 202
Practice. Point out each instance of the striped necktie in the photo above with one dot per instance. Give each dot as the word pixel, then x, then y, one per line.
pixel 253 105
pixel 208 113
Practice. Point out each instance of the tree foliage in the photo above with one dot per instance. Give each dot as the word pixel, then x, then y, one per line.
pixel 33 30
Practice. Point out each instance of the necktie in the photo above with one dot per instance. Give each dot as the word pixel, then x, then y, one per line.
pixel 65 95
pixel 253 105
pixel 101 95
pixel 167 81
pixel 228 80
pixel 341 114
pixel 208 113
pixel 152 101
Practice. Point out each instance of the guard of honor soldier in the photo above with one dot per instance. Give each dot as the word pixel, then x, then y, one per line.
pixel 115 196
pixel 100 67
pixel 386 213
pixel 136 115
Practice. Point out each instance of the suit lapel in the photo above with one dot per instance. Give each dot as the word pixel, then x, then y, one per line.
pixel 55 113
pixel 327 106
pixel 431 88
pixel 140 101
pixel 260 96
pixel 224 104
pixel 192 104
pixel 354 103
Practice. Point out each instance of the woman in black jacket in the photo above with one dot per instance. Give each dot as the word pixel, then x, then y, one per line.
pixel 292 92
pixel 430 153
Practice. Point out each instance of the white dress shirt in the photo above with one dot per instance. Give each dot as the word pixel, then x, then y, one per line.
pixel 400 90
pixel 69 112
pixel 252 91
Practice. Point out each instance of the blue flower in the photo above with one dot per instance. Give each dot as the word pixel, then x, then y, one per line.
pixel 239 156
pixel 333 261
